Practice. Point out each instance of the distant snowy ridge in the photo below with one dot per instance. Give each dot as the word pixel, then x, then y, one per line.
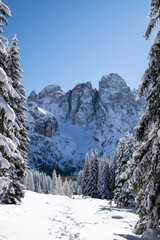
pixel 64 126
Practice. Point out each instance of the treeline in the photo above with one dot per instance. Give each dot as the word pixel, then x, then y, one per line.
pixel 41 183
pixel 108 179
pixel 96 179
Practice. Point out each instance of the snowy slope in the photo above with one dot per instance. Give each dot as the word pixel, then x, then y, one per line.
pixel 59 217
pixel 63 127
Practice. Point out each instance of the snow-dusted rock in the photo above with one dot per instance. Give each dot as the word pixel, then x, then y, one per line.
pixel 80 120
pixel 54 100
pixel 82 109
pixel 32 97
pixel 47 145
pixel 117 111
pixel 42 122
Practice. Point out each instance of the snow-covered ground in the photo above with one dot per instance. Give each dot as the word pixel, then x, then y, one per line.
pixel 48 217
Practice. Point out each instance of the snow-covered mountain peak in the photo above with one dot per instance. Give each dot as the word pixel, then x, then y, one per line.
pixel 32 97
pixel 81 120
pixel 82 86
pixel 112 80
pixel 49 90
pixel 41 121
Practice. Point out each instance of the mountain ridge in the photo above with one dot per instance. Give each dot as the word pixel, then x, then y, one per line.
pixel 78 121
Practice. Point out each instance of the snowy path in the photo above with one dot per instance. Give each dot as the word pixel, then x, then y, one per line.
pixel 51 217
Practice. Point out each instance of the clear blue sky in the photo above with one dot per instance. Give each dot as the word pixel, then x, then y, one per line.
pixel 66 42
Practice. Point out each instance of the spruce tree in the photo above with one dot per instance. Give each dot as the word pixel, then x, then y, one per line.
pixel 54 185
pixel 79 190
pixel 106 178
pixel 79 179
pixel 48 180
pixel 120 163
pixel 93 175
pixel 36 177
pixel 37 181
pixel 70 193
pixel 123 196
pixel 30 182
pixel 66 188
pixel 14 72
pixel 7 114
pixel 100 183
pixel 85 176
pixel 44 182
pixel 4 13
pixel 11 159
pixel 103 179
pixel 126 197
pixel 112 170
pixel 59 185
pixel 145 179
pixel 19 127
pixel 39 190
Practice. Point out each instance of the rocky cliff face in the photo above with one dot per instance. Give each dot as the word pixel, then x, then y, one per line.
pixel 64 126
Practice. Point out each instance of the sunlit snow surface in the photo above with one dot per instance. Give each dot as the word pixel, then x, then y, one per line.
pixel 48 217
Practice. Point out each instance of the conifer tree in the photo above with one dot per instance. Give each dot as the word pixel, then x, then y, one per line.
pixel 120 164
pixel 59 185
pixel 25 180
pixel 100 183
pixel 11 159
pixel 44 182
pixel 19 127
pixel 54 188
pixel 66 188
pixel 36 178
pixel 85 176
pixel 37 181
pixel 30 182
pixel 126 197
pixel 79 190
pixel 112 170
pixel 48 180
pixel 4 13
pixel 70 193
pixel 93 175
pixel 14 72
pixel 145 179
pixel 103 179
pixel 39 190
pixel 106 178
pixel 7 114
pixel 79 179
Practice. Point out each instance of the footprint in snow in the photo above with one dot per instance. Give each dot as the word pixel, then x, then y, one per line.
pixel 117 217
pixel 3 236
